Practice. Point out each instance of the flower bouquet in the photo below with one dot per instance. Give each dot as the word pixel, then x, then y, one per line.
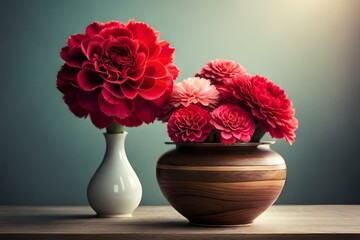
pixel 117 73
pixel 224 103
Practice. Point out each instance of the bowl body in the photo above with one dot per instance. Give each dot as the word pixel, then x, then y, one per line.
pixel 214 184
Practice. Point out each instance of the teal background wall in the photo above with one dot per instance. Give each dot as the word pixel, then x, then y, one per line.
pixel 311 48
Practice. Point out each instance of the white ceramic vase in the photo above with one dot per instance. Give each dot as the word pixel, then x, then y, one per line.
pixel 115 189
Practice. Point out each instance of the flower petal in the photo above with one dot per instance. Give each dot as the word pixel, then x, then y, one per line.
pixel 115 32
pixel 68 73
pixel 120 110
pixel 88 100
pixel 66 79
pixel 174 71
pixel 114 89
pixel 146 111
pixel 144 33
pixel 100 120
pixel 227 141
pixel 125 42
pixel 226 135
pixel 89 79
pixel 71 100
pixel 95 27
pixel 73 57
pixel 155 69
pixel 131 121
pixel 128 91
pixel 110 97
pixel 94 49
pixel 155 89
pixel 166 53
pixel 139 70
pixel 76 40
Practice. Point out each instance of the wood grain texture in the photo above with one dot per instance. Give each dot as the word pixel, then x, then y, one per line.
pixel 163 222
pixel 221 185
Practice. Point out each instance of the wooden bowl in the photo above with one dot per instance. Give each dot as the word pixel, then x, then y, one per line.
pixel 214 184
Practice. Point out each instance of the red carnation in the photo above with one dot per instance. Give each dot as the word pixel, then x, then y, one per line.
pixel 233 122
pixel 189 124
pixel 117 72
pixel 219 72
pixel 269 103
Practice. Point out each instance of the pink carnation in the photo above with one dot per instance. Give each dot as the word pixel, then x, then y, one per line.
pixel 189 124
pixel 117 72
pixel 191 91
pixel 195 90
pixel 233 122
pixel 269 103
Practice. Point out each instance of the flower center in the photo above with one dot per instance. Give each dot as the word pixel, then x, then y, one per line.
pixel 119 57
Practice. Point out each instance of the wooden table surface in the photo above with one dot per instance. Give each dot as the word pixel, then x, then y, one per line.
pixel 162 222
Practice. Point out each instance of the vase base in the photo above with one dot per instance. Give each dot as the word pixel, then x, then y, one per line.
pixel 126 215
pixel 220 225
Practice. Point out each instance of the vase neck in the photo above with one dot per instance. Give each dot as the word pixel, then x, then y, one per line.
pixel 115 141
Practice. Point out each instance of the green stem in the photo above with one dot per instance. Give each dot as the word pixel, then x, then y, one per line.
pixel 115 128
pixel 213 137
pixel 258 134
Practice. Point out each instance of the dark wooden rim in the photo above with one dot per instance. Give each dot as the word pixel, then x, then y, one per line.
pixel 238 144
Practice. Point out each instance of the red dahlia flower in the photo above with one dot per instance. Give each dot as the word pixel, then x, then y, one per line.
pixel 117 72
pixel 220 71
pixel 189 124
pixel 233 122
pixel 269 103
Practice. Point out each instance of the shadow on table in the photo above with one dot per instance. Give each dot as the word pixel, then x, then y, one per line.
pixel 42 218
pixel 49 219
